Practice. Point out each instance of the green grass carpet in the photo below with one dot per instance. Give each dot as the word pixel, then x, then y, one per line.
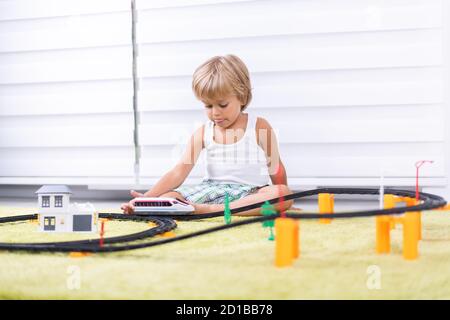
pixel 232 264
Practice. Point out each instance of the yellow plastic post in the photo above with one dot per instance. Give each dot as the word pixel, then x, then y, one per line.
pixel 410 236
pixel 383 239
pixel 284 241
pixel 326 205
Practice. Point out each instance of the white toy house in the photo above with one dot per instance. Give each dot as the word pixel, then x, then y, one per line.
pixel 56 214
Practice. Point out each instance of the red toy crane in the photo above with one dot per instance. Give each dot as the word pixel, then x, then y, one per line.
pixel 418 165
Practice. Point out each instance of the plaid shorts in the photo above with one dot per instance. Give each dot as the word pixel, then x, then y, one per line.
pixel 210 191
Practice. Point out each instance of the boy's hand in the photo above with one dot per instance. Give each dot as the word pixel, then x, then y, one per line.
pixel 136 194
pixel 128 208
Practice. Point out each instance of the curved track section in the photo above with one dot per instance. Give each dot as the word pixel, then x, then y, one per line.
pixel 91 245
pixel 122 243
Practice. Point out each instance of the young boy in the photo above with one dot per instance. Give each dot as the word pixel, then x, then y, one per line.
pixel 241 150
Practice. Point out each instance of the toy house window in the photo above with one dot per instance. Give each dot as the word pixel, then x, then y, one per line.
pixel 45 201
pixel 58 201
pixel 49 223
pixel 82 222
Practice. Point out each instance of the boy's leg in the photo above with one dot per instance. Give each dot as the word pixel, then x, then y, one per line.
pixel 173 194
pixel 265 193
pixel 199 207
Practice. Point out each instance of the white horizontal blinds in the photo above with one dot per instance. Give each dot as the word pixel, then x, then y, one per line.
pixel 66 92
pixel 350 85
pixel 165 120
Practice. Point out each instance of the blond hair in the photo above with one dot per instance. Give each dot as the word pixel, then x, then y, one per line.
pixel 221 76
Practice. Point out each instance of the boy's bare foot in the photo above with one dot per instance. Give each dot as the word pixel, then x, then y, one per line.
pixel 201 208
pixel 136 194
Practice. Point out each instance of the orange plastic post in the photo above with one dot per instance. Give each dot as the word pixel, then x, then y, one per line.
pixel 419 222
pixel 284 241
pixel 417 216
pixel 419 225
pixel 296 240
pixel 168 234
pixel 444 208
pixel 389 203
pixel 77 254
pixel 383 237
pixel 410 236
pixel 326 205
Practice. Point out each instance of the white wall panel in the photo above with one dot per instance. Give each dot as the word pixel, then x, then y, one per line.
pixel 32 9
pixel 72 31
pixel 349 86
pixel 102 96
pixel 66 92
pixel 268 18
pixel 362 87
pixel 300 52
pixel 102 162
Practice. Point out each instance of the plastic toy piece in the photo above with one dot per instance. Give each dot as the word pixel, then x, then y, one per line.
pixel 56 214
pixel 326 205
pixel 227 211
pixel 287 241
pixel 410 236
pixel 168 234
pixel 266 210
pixel 296 247
pixel 411 229
pixel 383 240
pixel 417 216
pixel 159 206
pixel 390 202
pixel 418 165
pixel 77 254
pixel 102 232
pixel 444 208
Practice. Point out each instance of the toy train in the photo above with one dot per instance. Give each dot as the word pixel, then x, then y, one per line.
pixel 161 206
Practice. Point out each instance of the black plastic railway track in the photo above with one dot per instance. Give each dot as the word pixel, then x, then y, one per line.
pixel 166 223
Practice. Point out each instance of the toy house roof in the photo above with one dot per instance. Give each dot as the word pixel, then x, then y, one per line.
pixel 54 189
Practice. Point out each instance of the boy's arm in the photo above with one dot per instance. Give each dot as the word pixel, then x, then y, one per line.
pixel 176 176
pixel 280 177
pixel 268 141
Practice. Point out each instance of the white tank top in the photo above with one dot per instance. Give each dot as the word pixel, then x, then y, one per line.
pixel 243 162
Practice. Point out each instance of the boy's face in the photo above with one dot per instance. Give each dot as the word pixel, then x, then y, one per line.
pixel 225 111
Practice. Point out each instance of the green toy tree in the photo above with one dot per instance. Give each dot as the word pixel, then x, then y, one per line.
pixel 227 211
pixel 266 210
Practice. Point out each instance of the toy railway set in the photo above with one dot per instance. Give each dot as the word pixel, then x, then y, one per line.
pixel 164 222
